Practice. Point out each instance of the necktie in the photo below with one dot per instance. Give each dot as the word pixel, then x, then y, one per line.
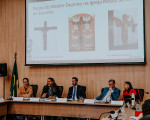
pixel 74 93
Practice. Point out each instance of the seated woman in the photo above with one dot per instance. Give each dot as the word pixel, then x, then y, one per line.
pixel 50 90
pixel 128 89
pixel 25 90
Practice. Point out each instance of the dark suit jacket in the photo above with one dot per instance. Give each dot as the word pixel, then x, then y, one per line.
pixel 81 92
pixel 55 91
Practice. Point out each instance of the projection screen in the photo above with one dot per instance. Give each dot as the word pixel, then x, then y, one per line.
pixel 71 32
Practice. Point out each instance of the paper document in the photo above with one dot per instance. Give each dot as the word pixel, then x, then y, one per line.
pixel 1 100
pixel 34 99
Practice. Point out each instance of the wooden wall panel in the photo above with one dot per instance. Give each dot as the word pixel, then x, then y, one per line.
pixel 12 39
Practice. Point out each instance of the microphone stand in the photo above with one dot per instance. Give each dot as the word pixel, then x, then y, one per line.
pixel 102 114
pixel 106 102
pixel 111 112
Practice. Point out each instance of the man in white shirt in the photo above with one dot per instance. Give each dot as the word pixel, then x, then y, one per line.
pixel 109 93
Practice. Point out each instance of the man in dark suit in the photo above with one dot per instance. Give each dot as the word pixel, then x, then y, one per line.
pixel 76 91
pixel 50 90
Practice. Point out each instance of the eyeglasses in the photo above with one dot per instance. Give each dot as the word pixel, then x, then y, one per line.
pixel 111 84
pixel 25 82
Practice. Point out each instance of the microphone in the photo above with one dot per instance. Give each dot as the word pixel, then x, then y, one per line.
pixel 111 112
pixel 10 97
pixel 146 92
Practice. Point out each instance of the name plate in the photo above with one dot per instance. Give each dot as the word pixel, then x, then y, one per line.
pixel 1 100
pixel 26 98
pixel 117 102
pixel 98 101
pixel 89 101
pixel 61 99
pixel 18 98
pixel 35 99
pixel 45 99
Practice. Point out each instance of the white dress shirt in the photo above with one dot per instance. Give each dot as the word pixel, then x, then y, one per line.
pixel 108 96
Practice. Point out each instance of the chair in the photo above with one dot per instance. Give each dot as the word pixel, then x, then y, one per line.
pixel 35 88
pixel 60 91
pixel 140 94
pixel 146 117
pixel 84 89
pixel 102 90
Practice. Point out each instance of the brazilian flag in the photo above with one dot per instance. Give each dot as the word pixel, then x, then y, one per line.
pixel 14 81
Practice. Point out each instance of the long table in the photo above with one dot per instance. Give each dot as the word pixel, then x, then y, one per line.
pixel 3 110
pixel 53 108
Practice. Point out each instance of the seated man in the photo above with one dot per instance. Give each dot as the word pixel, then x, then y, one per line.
pixel 50 90
pixel 109 93
pixel 76 91
pixel 25 90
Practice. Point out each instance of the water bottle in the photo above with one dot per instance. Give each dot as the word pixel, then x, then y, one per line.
pixel 132 99
pixel 123 113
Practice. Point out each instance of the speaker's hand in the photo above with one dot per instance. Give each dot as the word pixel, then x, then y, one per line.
pixel 44 95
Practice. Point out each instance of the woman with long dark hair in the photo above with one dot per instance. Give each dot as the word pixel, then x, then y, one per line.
pixel 128 89
pixel 50 90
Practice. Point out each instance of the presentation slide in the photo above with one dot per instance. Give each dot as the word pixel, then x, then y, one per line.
pixel 65 32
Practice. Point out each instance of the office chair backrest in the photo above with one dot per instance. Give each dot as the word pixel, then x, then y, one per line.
pixel 84 89
pixel 140 94
pixel 35 88
pixel 146 117
pixel 60 91
pixel 102 90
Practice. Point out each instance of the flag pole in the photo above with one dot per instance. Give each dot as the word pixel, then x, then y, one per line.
pixel 15 55
pixel 4 87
